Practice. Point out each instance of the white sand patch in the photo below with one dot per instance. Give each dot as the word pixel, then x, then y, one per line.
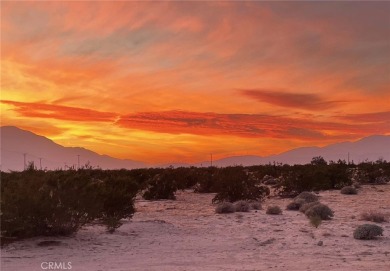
pixel 186 234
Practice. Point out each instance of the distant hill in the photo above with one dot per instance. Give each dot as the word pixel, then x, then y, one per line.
pixel 16 142
pixel 369 148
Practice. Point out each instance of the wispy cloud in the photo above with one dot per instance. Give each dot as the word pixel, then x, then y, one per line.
pixel 288 99
pixel 42 110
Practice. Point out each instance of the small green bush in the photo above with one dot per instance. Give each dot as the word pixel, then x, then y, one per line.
pixel 242 206
pixel 273 210
pixel 348 190
pixel 320 210
pixel 367 232
pixel 225 208
pixel 374 216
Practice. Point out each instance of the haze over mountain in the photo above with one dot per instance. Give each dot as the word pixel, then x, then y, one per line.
pixel 47 154
pixel 16 142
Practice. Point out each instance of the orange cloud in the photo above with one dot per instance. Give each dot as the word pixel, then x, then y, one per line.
pixel 41 110
pixel 244 125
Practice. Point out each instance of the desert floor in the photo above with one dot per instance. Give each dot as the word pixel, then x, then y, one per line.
pixel 186 234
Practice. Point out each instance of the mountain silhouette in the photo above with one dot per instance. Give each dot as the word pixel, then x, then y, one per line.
pixel 17 144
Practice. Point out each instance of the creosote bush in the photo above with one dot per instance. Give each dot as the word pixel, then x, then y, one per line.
pixel 162 186
pixel 242 206
pixel 274 210
pixel 348 190
pixel 320 210
pixel 367 232
pixel 225 208
pixel 374 216
pixel 235 184
pixel 39 203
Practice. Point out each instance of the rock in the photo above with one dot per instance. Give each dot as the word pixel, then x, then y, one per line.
pixel 320 243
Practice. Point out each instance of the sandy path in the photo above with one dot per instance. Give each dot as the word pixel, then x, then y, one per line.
pixel 186 234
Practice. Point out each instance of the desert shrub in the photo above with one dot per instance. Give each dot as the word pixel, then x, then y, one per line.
pixel 307 197
pixel 312 177
pixel 320 210
pixel 273 210
pixel 236 185
pixel 225 207
pixel 117 198
pixel 367 232
pixel 242 206
pixel 304 207
pixel 161 186
pixel 315 221
pixel 348 190
pixel 374 216
pixel 60 202
pixel 255 205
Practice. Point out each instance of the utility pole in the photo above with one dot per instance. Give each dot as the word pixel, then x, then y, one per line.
pixel 348 158
pixel 78 161
pixel 40 162
pixel 211 159
pixel 24 161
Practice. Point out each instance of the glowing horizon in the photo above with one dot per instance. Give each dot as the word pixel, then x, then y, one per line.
pixel 175 81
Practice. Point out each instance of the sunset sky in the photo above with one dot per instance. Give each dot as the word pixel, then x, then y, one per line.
pixel 175 81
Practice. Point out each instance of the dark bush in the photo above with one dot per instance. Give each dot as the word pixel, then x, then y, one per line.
pixel 117 198
pixel 60 202
pixel 236 185
pixel 367 232
pixel 162 186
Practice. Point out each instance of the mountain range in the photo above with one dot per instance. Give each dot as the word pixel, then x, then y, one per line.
pixel 19 147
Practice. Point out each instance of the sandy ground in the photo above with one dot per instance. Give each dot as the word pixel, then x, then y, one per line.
pixel 186 234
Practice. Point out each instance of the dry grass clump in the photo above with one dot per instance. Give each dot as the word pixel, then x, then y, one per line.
pixel 307 197
pixel 301 200
pixel 374 216
pixel 367 232
pixel 241 206
pixel 315 220
pixel 255 205
pixel 320 210
pixel 348 190
pixel 274 210
pixel 225 208
pixel 304 207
